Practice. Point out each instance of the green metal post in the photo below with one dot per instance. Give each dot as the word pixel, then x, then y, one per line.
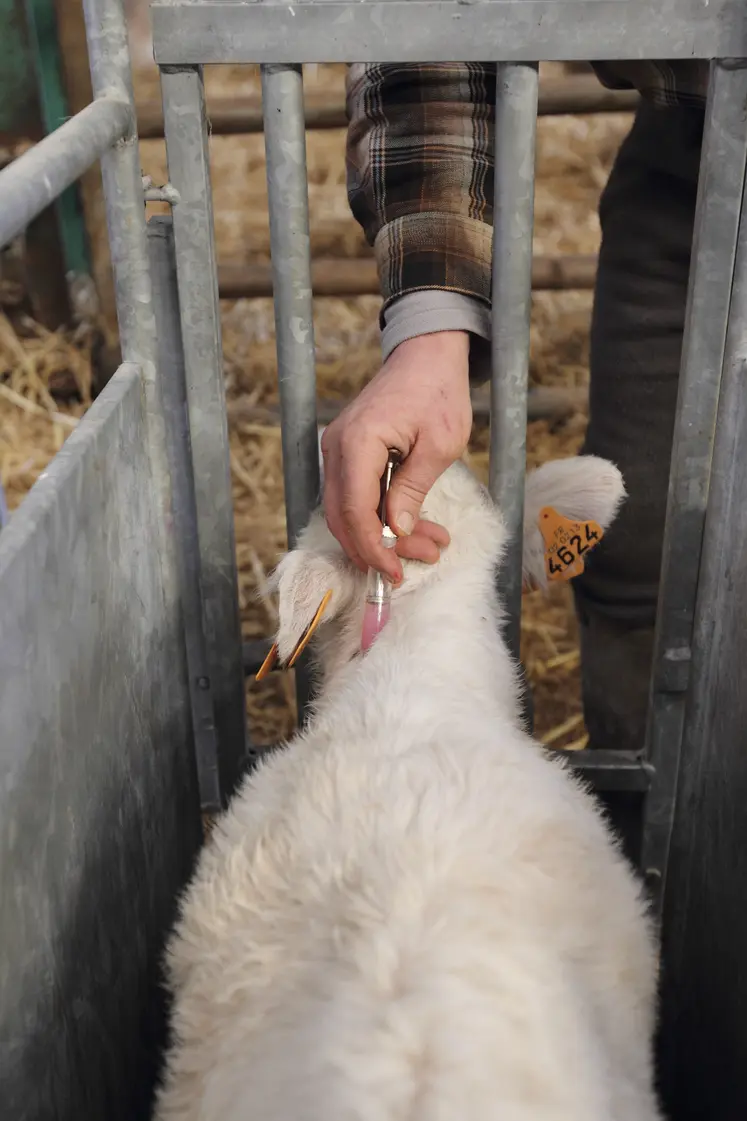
pixel 33 104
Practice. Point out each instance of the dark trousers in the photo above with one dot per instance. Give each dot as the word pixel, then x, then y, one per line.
pixel 646 212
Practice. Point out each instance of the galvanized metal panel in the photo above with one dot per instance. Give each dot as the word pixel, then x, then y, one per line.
pixel 204 31
pixel 99 812
pixel 171 380
pixel 704 994
pixel 125 214
pixel 721 180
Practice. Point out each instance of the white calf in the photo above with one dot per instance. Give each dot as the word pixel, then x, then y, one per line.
pixel 411 913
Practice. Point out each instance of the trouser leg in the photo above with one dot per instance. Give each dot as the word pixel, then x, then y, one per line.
pixel 646 213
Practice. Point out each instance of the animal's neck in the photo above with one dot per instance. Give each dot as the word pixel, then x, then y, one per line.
pixel 453 629
pixel 442 641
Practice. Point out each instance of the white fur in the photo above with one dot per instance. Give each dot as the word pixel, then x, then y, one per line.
pixel 411 913
pixel 584 488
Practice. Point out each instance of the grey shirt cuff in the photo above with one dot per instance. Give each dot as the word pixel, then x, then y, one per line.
pixel 432 310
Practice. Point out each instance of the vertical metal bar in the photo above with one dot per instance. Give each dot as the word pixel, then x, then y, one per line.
pixel 722 176
pixel 44 42
pixel 285 148
pixel 513 220
pixel 125 210
pixel 185 127
pixel 109 59
pixel 173 388
pixel 704 991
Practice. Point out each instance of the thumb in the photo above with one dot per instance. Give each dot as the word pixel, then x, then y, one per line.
pixel 410 485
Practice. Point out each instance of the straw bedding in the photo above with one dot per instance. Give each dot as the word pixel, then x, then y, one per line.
pixel 45 379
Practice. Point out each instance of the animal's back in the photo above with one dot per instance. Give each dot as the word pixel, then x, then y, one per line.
pixel 439 932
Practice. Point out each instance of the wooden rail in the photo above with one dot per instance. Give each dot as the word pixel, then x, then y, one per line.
pixel 238 116
pixel 357 276
pixel 544 402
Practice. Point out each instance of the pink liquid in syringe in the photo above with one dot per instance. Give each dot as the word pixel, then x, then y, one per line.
pixel 375 618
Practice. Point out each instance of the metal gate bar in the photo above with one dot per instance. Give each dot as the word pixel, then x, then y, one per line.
pixel 722 175
pixel 290 249
pixel 205 31
pixel 288 203
pixel 36 179
pixel 173 389
pixel 513 224
pixel 317 30
pixel 120 168
pixel 704 997
pixel 123 188
pixel 189 172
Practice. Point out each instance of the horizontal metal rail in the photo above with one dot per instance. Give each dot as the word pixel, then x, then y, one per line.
pixel 241 116
pixel 194 32
pixel 33 181
pixel 610 770
pixel 358 276
pixel 605 771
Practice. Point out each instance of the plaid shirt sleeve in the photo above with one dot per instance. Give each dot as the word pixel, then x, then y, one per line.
pixel 420 173
pixel 420 163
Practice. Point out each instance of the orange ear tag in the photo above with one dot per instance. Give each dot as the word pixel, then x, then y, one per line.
pixel 566 543
pixel 272 657
pixel 306 636
pixel 268 664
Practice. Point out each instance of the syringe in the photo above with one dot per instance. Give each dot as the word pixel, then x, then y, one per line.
pixel 378 588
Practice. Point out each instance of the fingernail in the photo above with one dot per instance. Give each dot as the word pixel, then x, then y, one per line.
pixel 405 523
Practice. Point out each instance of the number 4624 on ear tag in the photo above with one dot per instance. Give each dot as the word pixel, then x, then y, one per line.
pixel 566 543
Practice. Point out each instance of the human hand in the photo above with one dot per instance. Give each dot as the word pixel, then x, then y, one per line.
pixel 418 403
